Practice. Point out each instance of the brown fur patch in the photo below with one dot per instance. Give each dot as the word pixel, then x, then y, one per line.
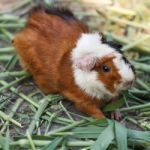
pixel 110 79
pixel 44 48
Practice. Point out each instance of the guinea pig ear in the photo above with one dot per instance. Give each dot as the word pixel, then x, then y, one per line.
pixel 86 63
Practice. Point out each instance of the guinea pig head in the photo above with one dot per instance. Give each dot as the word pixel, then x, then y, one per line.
pixel 99 68
pixel 115 72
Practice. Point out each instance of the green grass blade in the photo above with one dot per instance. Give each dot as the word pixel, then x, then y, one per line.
pixel 113 106
pixel 121 136
pixel 54 144
pixel 11 63
pixel 7 140
pixel 104 139
pixel 30 141
pixel 141 135
pixel 91 131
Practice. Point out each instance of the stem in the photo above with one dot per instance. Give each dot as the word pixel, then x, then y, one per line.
pixel 133 108
pixel 6 33
pixel 5 57
pixel 124 40
pixel 7 17
pixel 135 43
pixel 6 49
pixel 12 83
pixel 14 109
pixel 142 84
pixel 50 122
pixel 11 25
pixel 122 11
pixel 66 127
pixel 40 143
pixel 13 74
pixel 131 23
pixel 20 5
pixel 141 66
pixel 25 142
pixel 145 113
pixel 8 118
pixel 31 141
pixel 11 63
pixel 138 143
pixel 139 92
pixel 38 114
pixel 67 113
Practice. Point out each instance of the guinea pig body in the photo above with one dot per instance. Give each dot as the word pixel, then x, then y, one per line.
pixel 63 57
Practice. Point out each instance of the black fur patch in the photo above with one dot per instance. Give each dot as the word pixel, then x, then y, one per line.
pixel 117 47
pixel 62 12
pixel 112 44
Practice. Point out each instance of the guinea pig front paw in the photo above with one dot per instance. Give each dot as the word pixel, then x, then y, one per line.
pixel 116 115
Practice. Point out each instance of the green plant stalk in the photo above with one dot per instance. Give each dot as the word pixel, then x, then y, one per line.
pixel 131 23
pixel 63 133
pixel 59 119
pixel 135 43
pixel 7 17
pixel 30 140
pixel 25 142
pixel 43 104
pixel 67 113
pixel 132 120
pixel 138 143
pixel 11 18
pixel 6 33
pixel 133 108
pixel 13 74
pixel 138 92
pixel 12 83
pixel 6 49
pixel 8 118
pixel 66 127
pixel 145 113
pixel 5 57
pixel 11 25
pixel 141 66
pixel 14 109
pixel 142 84
pixel 11 63
pixel 124 40
pixel 85 148
pixel 50 122
pixel 7 140
pixel 145 109
pixel 40 143
pixel 123 21
pixel 20 5
pixel 4 39
pixel 122 11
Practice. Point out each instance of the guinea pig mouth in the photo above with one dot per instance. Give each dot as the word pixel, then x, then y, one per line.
pixel 125 86
pixel 128 85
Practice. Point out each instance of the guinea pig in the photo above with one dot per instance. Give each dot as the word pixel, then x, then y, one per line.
pixel 64 57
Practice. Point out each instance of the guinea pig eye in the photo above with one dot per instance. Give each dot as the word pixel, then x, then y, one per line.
pixel 106 68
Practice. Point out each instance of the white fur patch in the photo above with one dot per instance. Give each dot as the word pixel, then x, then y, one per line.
pixel 90 43
pixel 125 71
pixel 88 82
